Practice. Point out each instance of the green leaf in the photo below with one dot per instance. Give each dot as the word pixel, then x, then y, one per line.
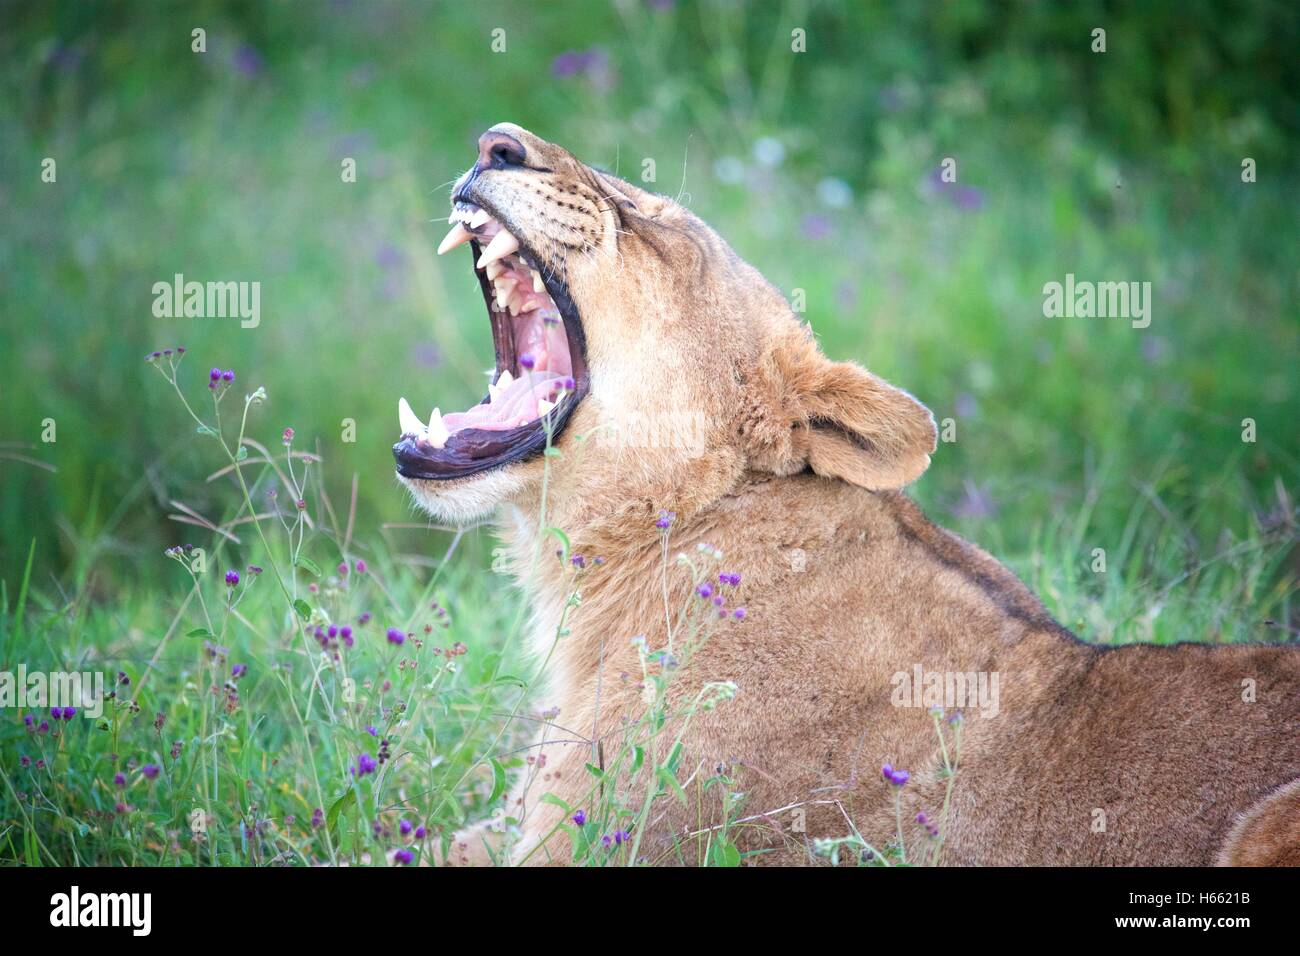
pixel 725 854
pixel 498 780
pixel 555 801
pixel 342 803
pixel 668 777
pixel 303 609
pixel 564 539
pixel 242 453
pixel 199 632
pixel 205 430
pixel 308 565
pixel 595 771
pixel 638 758
pixel 509 679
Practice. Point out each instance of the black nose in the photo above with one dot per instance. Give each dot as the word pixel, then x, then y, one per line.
pixel 499 150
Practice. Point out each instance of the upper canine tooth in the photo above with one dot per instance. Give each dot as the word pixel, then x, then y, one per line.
pixel 502 244
pixel 543 406
pixel 438 433
pixel 454 238
pixel 479 218
pixel 407 419
pixel 538 284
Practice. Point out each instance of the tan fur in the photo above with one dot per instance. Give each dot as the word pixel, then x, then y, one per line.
pixel 798 454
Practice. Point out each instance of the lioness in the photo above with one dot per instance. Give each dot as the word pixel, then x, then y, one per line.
pixel 611 304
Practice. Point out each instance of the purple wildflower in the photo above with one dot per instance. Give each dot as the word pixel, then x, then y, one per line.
pixel 151 771
pixel 395 636
pixel 365 764
pixel 404 857
pixel 580 818
pixel 406 827
pixel 896 777
pixel 119 779
pixel 238 671
pixel 739 614
pixel 232 578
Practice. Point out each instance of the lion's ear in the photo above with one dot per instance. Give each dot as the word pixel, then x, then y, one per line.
pixel 846 423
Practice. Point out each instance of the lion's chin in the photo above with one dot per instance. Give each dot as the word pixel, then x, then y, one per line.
pixel 465 501
pixel 540 373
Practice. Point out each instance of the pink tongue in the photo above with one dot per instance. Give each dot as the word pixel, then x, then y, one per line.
pixel 514 406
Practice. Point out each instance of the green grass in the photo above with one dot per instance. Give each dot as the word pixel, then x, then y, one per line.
pixel 1071 434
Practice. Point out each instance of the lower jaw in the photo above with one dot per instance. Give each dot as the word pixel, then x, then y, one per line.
pixel 475 450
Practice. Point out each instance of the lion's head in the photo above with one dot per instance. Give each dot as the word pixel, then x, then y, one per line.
pixel 663 367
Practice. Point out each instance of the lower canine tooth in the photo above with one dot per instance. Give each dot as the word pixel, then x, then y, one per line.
pixel 494 269
pixel 538 284
pixel 408 420
pixel 438 433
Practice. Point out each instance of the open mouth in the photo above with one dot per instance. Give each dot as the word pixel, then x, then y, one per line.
pixel 540 374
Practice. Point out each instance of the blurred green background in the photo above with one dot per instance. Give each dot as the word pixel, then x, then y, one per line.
pixel 820 167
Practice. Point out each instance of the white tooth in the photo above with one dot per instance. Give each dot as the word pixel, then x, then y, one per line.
pixel 513 303
pixel 408 420
pixel 529 304
pixel 479 218
pixel 501 384
pixel 543 406
pixel 502 245
pixel 438 433
pixel 454 238
pixel 504 291
pixel 494 269
pixel 538 284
